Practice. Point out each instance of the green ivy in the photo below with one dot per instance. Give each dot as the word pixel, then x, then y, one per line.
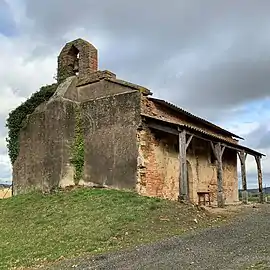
pixel 16 117
pixel 77 158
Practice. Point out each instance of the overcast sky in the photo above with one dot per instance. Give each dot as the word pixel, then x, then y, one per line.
pixel 209 57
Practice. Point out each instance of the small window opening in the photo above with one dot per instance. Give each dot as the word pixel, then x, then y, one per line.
pixel 76 64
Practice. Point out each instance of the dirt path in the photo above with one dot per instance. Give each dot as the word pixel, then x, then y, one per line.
pixel 241 244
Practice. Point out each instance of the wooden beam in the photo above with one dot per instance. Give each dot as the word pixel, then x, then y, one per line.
pixel 163 128
pixel 218 151
pixel 222 149
pixel 189 140
pixel 242 156
pixel 183 182
pixel 213 149
pixel 259 169
pixel 171 130
pixel 223 144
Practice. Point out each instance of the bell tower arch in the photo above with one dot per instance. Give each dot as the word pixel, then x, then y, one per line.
pixel 78 57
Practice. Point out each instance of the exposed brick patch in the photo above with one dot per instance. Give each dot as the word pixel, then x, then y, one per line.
pixel 158 168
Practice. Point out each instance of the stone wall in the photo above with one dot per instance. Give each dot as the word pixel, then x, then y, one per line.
pixel 158 172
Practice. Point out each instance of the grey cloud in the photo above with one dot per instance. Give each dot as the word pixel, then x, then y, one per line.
pixel 229 83
pixel 259 138
pixel 7 23
pixel 265 140
pixel 143 35
pixel 173 22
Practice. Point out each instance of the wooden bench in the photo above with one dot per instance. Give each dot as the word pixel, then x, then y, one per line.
pixel 202 194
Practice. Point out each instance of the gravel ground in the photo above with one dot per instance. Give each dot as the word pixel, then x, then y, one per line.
pixel 243 243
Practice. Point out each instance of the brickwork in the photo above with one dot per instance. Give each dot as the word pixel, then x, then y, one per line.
pixel 158 168
pixel 77 56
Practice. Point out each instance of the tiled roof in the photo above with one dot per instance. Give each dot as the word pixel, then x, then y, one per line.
pixel 205 122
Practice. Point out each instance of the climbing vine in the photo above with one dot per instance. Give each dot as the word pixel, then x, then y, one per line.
pixel 77 158
pixel 16 117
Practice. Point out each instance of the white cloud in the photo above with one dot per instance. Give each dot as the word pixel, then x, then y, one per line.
pixel 20 76
pixel 5 168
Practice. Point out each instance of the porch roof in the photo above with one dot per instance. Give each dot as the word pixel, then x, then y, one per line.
pixel 190 115
pixel 173 128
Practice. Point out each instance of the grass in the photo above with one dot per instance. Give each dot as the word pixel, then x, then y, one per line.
pixel 37 228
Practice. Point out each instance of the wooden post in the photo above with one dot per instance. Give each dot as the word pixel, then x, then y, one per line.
pixel 242 156
pixel 259 169
pixel 183 181
pixel 218 150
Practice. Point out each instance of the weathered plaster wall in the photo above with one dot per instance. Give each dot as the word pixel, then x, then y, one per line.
pixel 230 176
pixel 204 174
pixel 110 114
pixel 100 89
pixel 110 140
pixel 158 168
pixel 87 130
pixel 45 140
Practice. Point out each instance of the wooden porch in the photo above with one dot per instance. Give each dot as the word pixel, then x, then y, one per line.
pixel 185 134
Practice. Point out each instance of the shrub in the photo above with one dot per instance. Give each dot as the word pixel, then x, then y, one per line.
pixel 16 117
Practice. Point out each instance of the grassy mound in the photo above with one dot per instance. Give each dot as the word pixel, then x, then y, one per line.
pixel 37 229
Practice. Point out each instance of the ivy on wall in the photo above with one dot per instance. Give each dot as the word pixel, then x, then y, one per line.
pixel 16 117
pixel 77 158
